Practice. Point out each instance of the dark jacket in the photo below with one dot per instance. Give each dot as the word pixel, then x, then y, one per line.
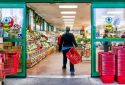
pixel 67 40
pixel 105 43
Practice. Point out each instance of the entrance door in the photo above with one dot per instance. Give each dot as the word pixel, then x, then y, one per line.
pixel 15 35
pixel 106 17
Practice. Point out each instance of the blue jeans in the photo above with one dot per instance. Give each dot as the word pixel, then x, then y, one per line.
pixel 65 61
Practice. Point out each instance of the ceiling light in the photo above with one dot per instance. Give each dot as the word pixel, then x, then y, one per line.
pixel 68 16
pixel 68 19
pixel 68 6
pixel 69 22
pixel 108 16
pixel 68 12
pixel 115 12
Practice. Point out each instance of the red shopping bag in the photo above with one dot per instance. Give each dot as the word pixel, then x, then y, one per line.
pixel 74 56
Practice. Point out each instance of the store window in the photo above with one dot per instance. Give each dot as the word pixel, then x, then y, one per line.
pixel 110 21
pixel 31 20
pixel 11 22
pixel 111 47
pixel 37 23
pixel 42 25
pixel 50 28
pixel 45 26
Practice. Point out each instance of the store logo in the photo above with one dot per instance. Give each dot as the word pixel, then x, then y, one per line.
pixel 108 20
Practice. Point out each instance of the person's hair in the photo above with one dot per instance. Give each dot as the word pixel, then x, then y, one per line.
pixel 67 29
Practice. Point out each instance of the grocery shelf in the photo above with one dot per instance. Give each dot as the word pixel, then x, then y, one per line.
pixel 33 60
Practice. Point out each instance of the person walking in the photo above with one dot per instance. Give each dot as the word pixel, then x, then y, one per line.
pixel 67 41
pixel 106 44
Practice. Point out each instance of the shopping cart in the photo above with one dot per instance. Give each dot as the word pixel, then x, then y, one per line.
pixel 9 63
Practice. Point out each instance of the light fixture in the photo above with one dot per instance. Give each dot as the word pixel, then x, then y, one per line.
pixel 68 12
pixel 68 16
pixel 115 12
pixel 68 6
pixel 108 16
pixel 68 20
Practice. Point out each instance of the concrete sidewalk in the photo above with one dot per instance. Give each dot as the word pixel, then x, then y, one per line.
pixel 83 80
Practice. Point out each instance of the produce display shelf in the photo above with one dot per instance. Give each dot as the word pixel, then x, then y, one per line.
pixel 33 60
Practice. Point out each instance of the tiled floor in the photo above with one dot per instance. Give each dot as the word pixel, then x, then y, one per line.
pixel 52 65
pixel 56 81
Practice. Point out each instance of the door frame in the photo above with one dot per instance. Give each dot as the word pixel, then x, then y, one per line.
pixel 22 5
pixel 95 5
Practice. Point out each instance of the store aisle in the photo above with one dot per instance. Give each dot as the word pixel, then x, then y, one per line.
pixel 52 65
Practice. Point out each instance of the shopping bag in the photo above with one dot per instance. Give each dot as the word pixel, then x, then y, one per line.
pixel 74 56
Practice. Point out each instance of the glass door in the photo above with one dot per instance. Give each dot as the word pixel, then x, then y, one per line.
pixel 107 19
pixel 13 27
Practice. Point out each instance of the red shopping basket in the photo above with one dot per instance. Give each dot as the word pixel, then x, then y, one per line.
pixel 10 63
pixel 73 56
pixel 107 78
pixel 13 60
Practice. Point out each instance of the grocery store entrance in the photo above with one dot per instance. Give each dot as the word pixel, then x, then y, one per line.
pixel 46 22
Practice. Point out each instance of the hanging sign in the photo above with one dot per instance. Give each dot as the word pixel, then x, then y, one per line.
pixel 116 22
pixel 7 23
pixel 108 26
pixel 108 20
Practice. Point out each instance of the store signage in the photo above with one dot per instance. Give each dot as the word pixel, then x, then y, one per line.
pixel 19 35
pixel 108 20
pixel 108 26
pixel 116 21
pixel 82 32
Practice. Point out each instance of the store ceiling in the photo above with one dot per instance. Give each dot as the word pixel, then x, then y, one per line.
pixel 52 13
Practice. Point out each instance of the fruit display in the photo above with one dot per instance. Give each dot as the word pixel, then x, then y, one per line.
pixel 84 46
pixel 38 47
pixel 36 40
pixel 81 40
